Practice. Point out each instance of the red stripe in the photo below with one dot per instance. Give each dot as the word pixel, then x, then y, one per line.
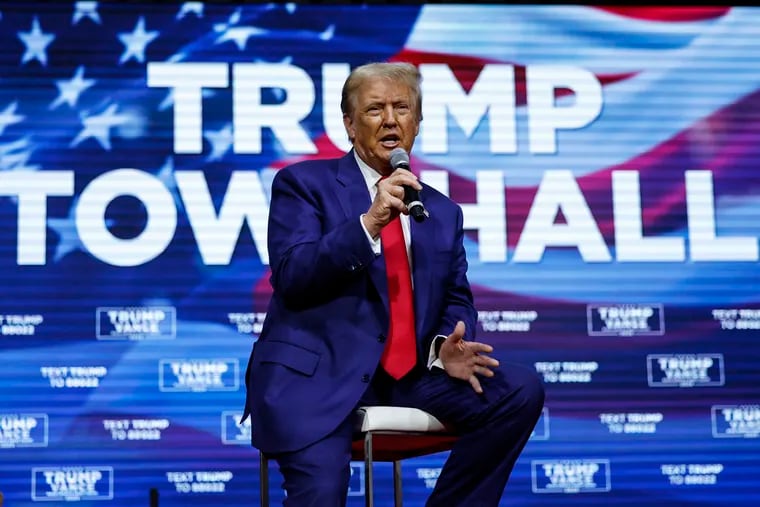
pixel 669 14
pixel 467 69
pixel 325 149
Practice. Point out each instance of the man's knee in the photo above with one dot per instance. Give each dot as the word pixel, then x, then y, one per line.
pixel 528 396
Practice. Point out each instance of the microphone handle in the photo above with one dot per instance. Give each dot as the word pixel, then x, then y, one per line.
pixel 413 202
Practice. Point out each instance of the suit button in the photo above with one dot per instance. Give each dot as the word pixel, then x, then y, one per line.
pixel 381 338
pixel 365 378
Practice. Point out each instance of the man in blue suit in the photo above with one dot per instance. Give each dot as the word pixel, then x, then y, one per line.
pixel 334 319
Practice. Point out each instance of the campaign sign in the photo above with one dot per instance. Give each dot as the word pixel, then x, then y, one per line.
pixel 685 370
pixel 23 430
pixel 625 320
pixel 72 483
pixel 136 323
pixel 570 476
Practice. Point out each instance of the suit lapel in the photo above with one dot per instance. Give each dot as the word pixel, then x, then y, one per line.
pixel 423 239
pixel 355 200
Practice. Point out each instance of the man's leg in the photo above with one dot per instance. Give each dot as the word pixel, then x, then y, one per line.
pixel 318 475
pixel 494 428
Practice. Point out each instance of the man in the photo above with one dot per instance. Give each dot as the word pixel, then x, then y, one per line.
pixel 337 314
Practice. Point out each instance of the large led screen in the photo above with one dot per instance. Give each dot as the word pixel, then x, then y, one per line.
pixel 606 160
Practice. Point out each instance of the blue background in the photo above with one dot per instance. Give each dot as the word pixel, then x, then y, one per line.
pixel 679 94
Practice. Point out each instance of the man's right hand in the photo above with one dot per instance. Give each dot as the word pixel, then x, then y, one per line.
pixel 389 200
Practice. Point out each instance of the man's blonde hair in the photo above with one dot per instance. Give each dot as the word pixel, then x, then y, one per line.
pixel 403 72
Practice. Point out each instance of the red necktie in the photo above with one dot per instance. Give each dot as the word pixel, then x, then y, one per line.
pixel 400 354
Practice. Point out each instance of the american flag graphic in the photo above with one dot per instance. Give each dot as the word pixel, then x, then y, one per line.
pixel 124 358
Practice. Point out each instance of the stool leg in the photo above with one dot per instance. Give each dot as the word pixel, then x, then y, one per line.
pixel 369 500
pixel 263 479
pixel 397 494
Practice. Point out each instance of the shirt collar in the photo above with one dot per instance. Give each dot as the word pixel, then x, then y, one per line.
pixel 371 177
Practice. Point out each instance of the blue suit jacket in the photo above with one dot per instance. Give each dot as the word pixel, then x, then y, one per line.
pixel 326 323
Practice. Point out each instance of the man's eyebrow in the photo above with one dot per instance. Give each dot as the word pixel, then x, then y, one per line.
pixel 373 103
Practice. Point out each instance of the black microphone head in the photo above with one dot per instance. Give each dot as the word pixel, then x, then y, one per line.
pixel 399 158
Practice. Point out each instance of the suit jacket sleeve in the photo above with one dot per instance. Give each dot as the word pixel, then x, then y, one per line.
pixel 310 265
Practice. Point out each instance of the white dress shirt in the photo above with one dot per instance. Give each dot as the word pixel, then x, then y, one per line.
pixel 371 178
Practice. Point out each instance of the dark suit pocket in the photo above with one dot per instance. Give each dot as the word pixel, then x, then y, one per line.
pixel 294 357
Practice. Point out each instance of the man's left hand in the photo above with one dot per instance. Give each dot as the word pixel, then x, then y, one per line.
pixel 465 360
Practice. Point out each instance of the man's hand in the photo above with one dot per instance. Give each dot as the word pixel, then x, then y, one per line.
pixel 463 360
pixel 389 200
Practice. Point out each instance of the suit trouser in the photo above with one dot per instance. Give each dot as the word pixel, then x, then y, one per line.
pixel 494 428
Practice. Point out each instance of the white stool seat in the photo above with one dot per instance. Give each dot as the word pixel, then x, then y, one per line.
pixel 396 419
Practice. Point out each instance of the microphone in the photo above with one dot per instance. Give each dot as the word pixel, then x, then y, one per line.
pixel 400 159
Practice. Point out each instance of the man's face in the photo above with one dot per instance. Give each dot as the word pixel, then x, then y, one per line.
pixel 384 118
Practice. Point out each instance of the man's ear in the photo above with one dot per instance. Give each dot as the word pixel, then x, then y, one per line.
pixel 349 126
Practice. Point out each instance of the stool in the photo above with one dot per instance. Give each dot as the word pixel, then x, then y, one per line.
pixel 387 434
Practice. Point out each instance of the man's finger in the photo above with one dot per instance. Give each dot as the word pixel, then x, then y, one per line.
pixel 478 347
pixel 482 370
pixel 404 177
pixel 458 333
pixel 486 361
pixel 455 338
pixel 475 383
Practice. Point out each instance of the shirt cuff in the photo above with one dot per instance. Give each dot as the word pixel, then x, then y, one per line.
pixel 433 359
pixel 373 242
